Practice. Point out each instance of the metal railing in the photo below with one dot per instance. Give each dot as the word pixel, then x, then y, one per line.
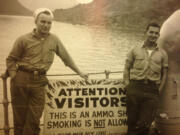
pixel 5 102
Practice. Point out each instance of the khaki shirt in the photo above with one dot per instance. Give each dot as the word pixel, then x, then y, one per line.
pixel 35 52
pixel 142 66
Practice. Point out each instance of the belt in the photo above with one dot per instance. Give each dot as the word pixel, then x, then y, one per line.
pixel 144 81
pixel 33 71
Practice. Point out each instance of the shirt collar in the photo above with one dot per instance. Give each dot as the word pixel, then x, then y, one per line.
pixel 38 36
pixel 143 46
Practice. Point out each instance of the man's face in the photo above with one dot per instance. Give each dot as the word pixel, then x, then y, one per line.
pixel 152 34
pixel 43 23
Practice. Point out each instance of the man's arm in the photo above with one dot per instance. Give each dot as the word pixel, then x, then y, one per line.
pixel 128 65
pixel 164 70
pixel 68 61
pixel 163 79
pixel 126 76
pixel 13 57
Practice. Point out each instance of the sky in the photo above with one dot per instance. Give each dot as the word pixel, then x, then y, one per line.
pixel 52 4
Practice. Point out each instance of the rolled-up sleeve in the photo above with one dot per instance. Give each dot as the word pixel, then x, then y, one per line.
pixel 128 65
pixel 14 55
pixel 129 59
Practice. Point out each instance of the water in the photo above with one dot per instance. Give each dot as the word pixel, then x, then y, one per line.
pixel 94 49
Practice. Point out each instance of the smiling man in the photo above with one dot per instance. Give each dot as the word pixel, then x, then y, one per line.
pixel 27 64
pixel 144 77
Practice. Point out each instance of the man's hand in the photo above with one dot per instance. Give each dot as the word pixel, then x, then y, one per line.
pixel 12 74
pixel 83 75
pixel 160 89
pixel 125 84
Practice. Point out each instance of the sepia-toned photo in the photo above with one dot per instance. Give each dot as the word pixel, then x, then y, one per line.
pixel 89 67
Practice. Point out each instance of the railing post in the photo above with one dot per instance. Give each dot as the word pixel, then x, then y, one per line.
pixel 5 104
pixel 107 72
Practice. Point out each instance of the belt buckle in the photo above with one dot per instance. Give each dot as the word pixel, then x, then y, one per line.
pixel 146 81
pixel 36 72
pixel 36 75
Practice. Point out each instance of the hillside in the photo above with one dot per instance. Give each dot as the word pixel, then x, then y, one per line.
pixel 13 7
pixel 119 13
pixel 124 14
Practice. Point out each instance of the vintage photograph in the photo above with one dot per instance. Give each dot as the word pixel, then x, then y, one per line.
pixel 89 67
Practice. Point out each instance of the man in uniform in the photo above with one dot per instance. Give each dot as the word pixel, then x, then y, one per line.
pixel 27 64
pixel 144 77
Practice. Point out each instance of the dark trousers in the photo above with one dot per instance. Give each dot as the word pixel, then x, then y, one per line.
pixel 28 99
pixel 142 103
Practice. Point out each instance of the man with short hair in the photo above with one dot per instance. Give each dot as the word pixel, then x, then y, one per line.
pixel 144 77
pixel 27 64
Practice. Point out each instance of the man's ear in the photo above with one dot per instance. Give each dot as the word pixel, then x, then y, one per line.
pixel 36 19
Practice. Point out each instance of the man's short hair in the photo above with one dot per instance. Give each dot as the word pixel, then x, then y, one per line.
pixel 153 24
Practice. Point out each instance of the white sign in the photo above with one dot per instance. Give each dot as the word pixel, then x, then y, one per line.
pixel 77 107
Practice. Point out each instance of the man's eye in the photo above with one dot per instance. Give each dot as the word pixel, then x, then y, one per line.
pixel 49 23
pixel 42 21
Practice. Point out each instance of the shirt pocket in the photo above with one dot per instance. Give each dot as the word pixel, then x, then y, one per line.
pixel 156 63
pixel 157 57
pixel 49 56
pixel 139 62
pixel 33 50
pixel 155 67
